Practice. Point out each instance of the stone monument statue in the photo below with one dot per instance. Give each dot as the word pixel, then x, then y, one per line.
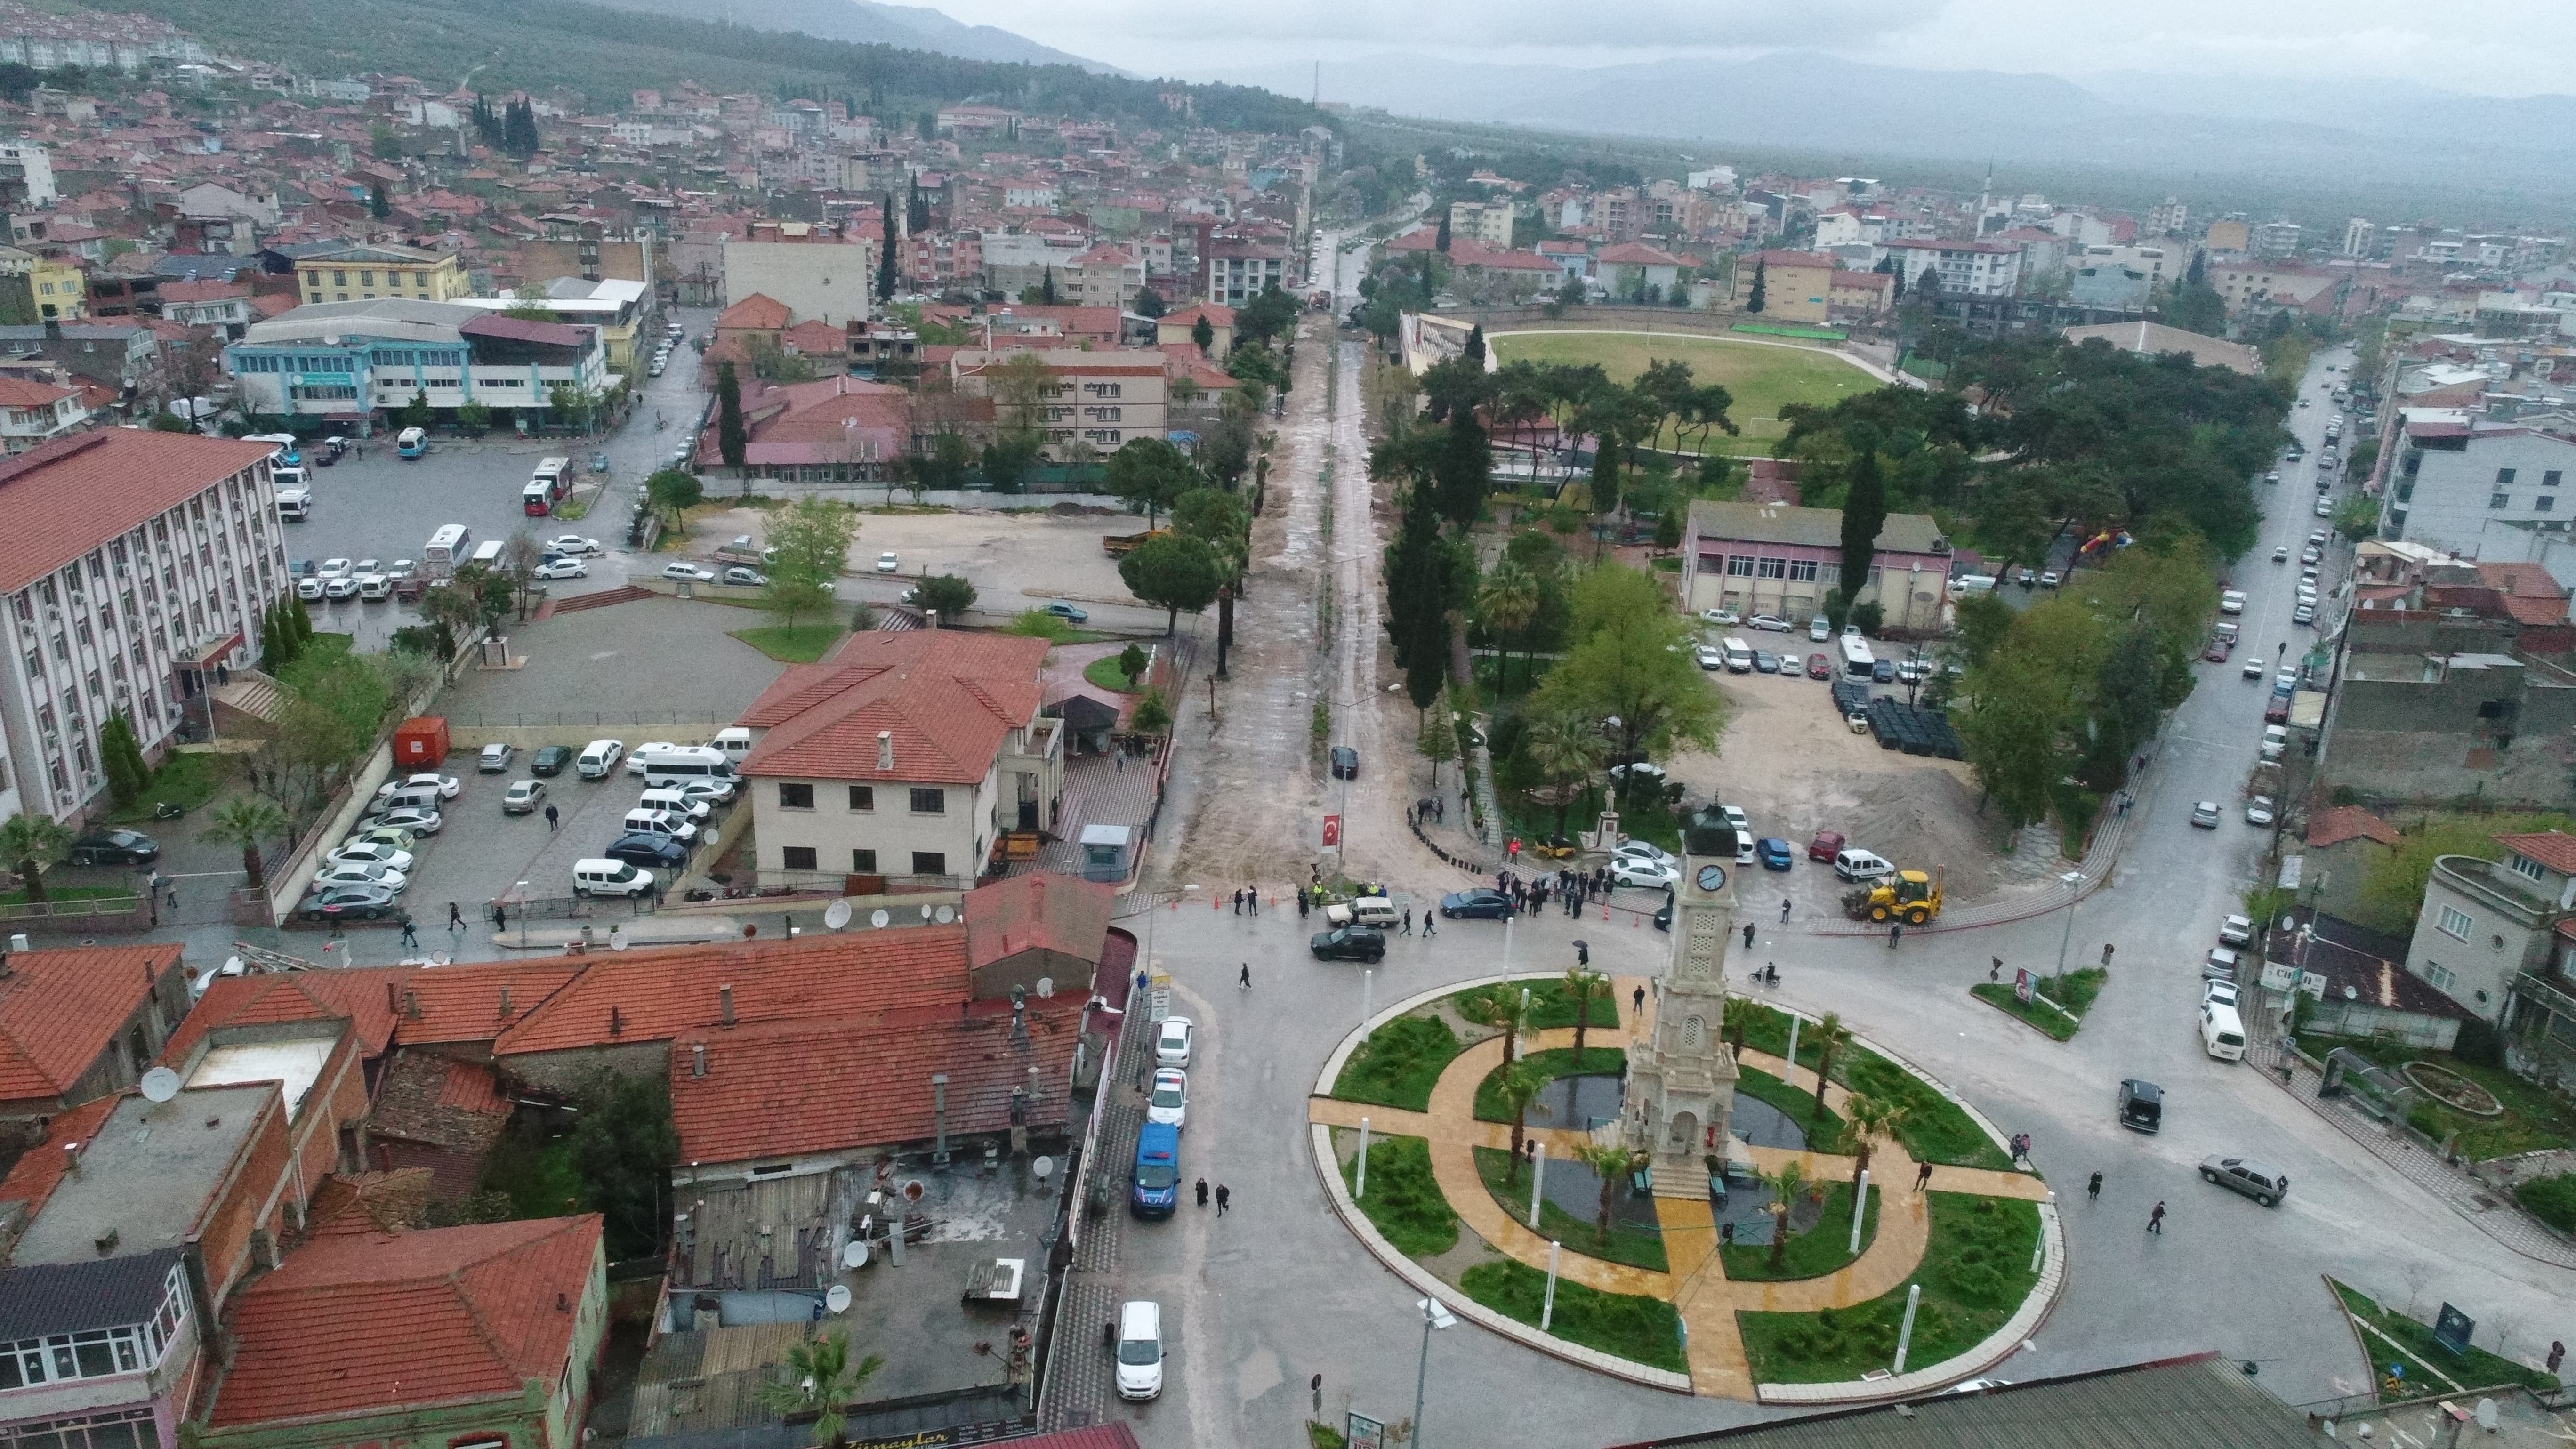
pixel 1681 1078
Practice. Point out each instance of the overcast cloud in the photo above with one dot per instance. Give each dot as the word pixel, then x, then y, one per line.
pixel 2485 47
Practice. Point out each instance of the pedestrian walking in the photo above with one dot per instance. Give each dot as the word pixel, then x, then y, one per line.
pixel 1922 1177
pixel 1996 971
pixel 1202 1192
pixel 550 817
pixel 2557 1351
pixel 2021 1149
pixel 1305 903
pixel 455 917
pixel 500 917
pixel 1784 910
pixel 411 935
pixel 1748 935
pixel 174 897
pixel 1895 933
pixel 2156 1220
pixel 1637 1001
pixel 1317 1384
pixel 1408 920
pixel 1223 1199
pixel 1244 981
pixel 2106 953
pixel 1238 902
pixel 2093 1187
pixel 1428 929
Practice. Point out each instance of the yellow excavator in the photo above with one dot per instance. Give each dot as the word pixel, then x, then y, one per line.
pixel 1909 896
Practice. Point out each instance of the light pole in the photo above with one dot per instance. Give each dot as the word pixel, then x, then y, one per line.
pixel 1433 1316
pixel 2074 882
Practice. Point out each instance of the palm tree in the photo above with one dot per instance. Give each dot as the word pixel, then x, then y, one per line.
pixel 1785 1186
pixel 822 1380
pixel 1610 1164
pixel 1564 749
pixel 1583 986
pixel 32 844
pixel 245 820
pixel 1513 1015
pixel 1870 1121
pixel 1737 1018
pixel 1505 606
pixel 1518 1084
pixel 1830 1033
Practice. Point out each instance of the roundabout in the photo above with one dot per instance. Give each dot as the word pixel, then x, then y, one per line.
pixel 1680 1215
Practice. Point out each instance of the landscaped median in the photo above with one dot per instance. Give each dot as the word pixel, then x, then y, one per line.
pixel 2390 1338
pixel 1975 1271
pixel 2057 1004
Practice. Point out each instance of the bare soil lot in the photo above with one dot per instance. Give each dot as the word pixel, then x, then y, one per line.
pixel 1015 560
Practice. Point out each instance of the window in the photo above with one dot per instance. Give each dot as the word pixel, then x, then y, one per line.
pixel 1739 565
pixel 2543 504
pixel 929 862
pixel 795 797
pixel 1802 570
pixel 2455 923
pixel 2550 478
pixel 864 862
pixel 2526 867
pixel 1772 568
pixel 929 800
pixel 2440 976
pixel 863 797
pixel 797 857
pixel 2504 477
pixel 2499 500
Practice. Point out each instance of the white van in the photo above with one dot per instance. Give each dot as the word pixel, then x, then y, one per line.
pixel 375 587
pixel 1973 584
pixel 674 802
pixel 598 758
pixel 295 504
pixel 735 742
pixel 1861 865
pixel 2231 601
pixel 610 878
pixel 1140 1350
pixel 678 764
pixel 1739 655
pixel 660 822
pixel 2222 1032
pixel 488 553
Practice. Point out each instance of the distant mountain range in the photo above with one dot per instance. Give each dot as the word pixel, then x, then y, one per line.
pixel 912 27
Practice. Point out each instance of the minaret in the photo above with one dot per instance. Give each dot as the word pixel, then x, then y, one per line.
pixel 1681 1082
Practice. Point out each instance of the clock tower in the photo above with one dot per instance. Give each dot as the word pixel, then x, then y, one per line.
pixel 1681 1079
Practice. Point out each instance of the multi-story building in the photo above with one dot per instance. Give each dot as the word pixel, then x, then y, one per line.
pixel 349 359
pixel 33 412
pixel 816 272
pixel 2167 218
pixel 1105 276
pixel 2454 475
pixel 1101 399
pixel 26 176
pixel 2359 237
pixel 2486 924
pixel 906 754
pixel 1488 223
pixel 1960 268
pixel 1235 270
pixel 2276 239
pixel 1769 558
pixel 1796 286
pixel 364 273
pixel 136 566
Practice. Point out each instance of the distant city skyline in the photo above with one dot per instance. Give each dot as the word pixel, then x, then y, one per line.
pixel 2478 47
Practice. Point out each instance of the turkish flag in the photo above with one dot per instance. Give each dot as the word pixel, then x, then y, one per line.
pixel 1332 832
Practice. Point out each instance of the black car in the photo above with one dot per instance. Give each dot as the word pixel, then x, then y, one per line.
pixel 550 760
pixel 115 847
pixel 2142 1105
pixel 1346 763
pixel 1348 943
pixel 652 852
pixel 1481 903
pixel 348 902
pixel 1882 671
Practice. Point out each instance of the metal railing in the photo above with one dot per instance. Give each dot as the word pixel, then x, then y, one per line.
pixel 124 905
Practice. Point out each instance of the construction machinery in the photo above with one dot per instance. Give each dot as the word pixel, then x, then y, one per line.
pixel 1909 896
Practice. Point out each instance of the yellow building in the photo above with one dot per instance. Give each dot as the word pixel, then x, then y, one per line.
pixel 61 292
pixel 2228 236
pixel 363 273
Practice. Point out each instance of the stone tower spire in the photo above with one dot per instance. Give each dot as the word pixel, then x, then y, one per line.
pixel 1681 1080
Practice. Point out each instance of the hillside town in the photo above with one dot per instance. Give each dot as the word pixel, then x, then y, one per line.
pixel 1216 818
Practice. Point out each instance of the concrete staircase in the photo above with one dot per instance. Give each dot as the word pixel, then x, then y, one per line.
pixel 247 703
pixel 601 598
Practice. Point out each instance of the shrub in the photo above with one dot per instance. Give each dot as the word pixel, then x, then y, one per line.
pixel 1398 1064
pixel 1404 1199
pixel 2478 1044
pixel 2550 1199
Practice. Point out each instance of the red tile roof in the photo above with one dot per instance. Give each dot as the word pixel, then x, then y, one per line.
pixel 1217 313
pixel 948 699
pixel 1638 254
pixel 656 994
pixel 801 1086
pixel 2349 822
pixel 40 1170
pixel 20 392
pixel 1779 258
pixel 463 1003
pixel 756 313
pixel 2553 848
pixel 363 1322
pixel 1038 911
pixel 359 995
pixel 71 495
pixel 60 1009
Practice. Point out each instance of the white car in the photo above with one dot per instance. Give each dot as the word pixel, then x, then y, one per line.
pixel 714 792
pixel 495 758
pixel 445 785
pixel 564 568
pixel 1770 623
pixel 2254 666
pixel 2258 811
pixel 2205 815
pixel 343 587
pixel 418 822
pixel 2048 578
pixel 2325 508
pixel 308 588
pixel 2311 554
pixel 1169 1101
pixel 1642 850
pixel 1651 874
pixel 2316 537
pixel 351 872
pixel 635 761
pixel 333 568
pixel 367 566
pixel 576 545
pixel 688 573
pixel 1172 1042
pixel 2214 992
pixel 2236 931
pixel 1709 656
pixel 1721 616
pixel 744 578
pixel 887 564
pixel 372 852
pixel 1734 816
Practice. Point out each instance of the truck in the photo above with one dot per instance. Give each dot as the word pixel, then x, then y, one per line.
pixel 1115 544
pixel 1909 896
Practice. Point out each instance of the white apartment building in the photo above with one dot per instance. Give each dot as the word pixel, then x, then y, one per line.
pixel 1488 223
pixel 137 567
pixel 1102 398
pixel 1959 268
pixel 2454 474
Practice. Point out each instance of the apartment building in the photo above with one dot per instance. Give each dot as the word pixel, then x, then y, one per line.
pixel 1488 223
pixel 1959 268
pixel 1105 276
pixel 1796 286
pixel 351 359
pixel 1235 270
pixel 364 273
pixel 1101 398
pixel 2454 474
pixel 137 565
pixel 33 412
pixel 817 273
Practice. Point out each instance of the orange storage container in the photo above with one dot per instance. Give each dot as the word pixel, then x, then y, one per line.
pixel 420 743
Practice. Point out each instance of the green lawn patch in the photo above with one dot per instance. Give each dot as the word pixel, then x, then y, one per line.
pixel 1936 1128
pixel 1550 1065
pixel 2070 992
pixel 802 644
pixel 1404 1200
pixel 1550 1006
pixel 2550 1199
pixel 1630 1326
pixel 190 780
pixel 1105 673
pixel 2476 1369
pixel 1399 1063
pixel 1821 1249
pixel 1635 1246
pixel 534 1172
pixel 1975 1273
pixel 2534 1117
pixel 1824 1126
pixel 58 894
pixel 1762 379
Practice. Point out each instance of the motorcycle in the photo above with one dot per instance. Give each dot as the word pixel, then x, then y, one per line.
pixel 165 810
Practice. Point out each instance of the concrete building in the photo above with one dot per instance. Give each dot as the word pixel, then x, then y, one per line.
pixel 137 563
pixel 1966 268
pixel 26 176
pixel 1102 399
pixel 353 359
pixel 1104 276
pixel 819 276
pixel 1796 286
pixel 78 1025
pixel 1768 558
pixel 2454 475
pixel 907 755
pixel 1234 270
pixel 34 412
pixel 1625 271
pixel 364 273
pixel 2486 923
pixel 2359 237
pixel 2276 239
pixel 1487 223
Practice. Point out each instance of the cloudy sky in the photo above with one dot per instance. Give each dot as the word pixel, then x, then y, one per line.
pixel 2486 47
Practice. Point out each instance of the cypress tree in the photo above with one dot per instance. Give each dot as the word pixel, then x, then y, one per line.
pixel 885 259
pixel 1761 285
pixel 732 443
pixel 1864 514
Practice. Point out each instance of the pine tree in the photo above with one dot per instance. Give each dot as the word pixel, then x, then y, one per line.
pixel 732 443
pixel 1864 514
pixel 377 206
pixel 1046 292
pixel 1441 240
pixel 1475 348
pixel 1761 285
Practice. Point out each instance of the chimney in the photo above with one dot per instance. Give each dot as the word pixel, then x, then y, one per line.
pixel 616 1022
pixel 930 618
pixel 393 999
pixel 411 1004
pixel 885 750
pixel 724 1004
pixel 562 1304
pixel 71 1159
pixel 697 1059
pixel 505 1003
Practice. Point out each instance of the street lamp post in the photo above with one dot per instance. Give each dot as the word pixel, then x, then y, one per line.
pixel 1433 1316
pixel 2074 882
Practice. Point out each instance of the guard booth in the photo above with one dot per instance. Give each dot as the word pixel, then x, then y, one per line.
pixel 1107 852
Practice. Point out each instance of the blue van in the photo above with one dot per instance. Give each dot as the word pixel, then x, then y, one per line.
pixel 1158 1171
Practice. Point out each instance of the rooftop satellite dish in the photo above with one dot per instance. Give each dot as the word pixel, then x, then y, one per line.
pixel 947 914
pixel 232 965
pixel 854 1254
pixel 1042 1168
pixel 912 1189
pixel 837 1298
pixel 925 913
pixel 618 943
pixel 879 918
pixel 1046 987
pixel 836 915
pixel 160 1084
pixel 2351 994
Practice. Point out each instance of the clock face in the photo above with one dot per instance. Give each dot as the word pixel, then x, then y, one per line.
pixel 1712 877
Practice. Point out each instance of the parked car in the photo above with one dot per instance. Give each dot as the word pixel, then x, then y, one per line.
pixel 635 761
pixel 308 588
pixel 524 796
pixel 495 758
pixel 351 872
pixel 1067 612
pixel 345 587
pixel 1819 667
pixel 1770 622
pixel 2255 666
pixel 2205 815
pixel 348 902
pixel 1169 1101
pixel 1481 903
pixel 1346 763
pixel 1726 618
pixel 550 759
pixel 887 563
pixel 1653 875
pixel 2221 962
pixel 1820 629
pixel 688 573
pixel 1773 852
pixel 1882 671
pixel 564 568
pixel 2048 578
pixel 1735 819
pixel 2220 993
pixel 2258 811
pixel 1709 656
pixel 744 578
pixel 400 839
pixel 445 785
pixel 1825 845
pixel 417 821
pixel 2304 614
pixel 1172 1042
pixel 114 847
pixel 575 546
pixel 2026 576
pixel 2312 554
pixel 1643 850
pixel 372 852
pixel 598 758
pixel 1347 943
pixel 649 851
pixel 1765 662
pixel 336 568
pixel 2236 931
pixel 2259 1181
